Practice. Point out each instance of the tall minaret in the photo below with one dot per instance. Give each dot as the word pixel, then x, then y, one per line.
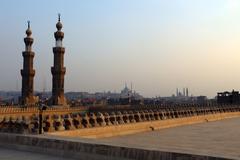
pixel 187 92
pixel 28 72
pixel 58 70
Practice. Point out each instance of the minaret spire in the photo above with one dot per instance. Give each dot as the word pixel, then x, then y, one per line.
pixel 28 72
pixel 59 17
pixel 28 24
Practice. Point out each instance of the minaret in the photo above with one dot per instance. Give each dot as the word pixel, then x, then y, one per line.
pixel 28 72
pixel 131 87
pixel 58 70
pixel 187 92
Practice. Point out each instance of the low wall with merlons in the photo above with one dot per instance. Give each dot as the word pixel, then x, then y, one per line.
pixel 131 128
pixel 27 120
pixel 77 149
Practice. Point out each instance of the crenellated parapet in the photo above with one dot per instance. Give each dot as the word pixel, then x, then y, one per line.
pixel 26 120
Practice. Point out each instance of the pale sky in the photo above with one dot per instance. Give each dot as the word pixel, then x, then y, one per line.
pixel 158 45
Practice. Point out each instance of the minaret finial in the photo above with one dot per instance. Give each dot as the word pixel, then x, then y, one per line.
pixel 59 24
pixel 59 17
pixel 28 31
pixel 28 24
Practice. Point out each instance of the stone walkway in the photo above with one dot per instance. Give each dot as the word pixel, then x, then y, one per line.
pixel 219 138
pixel 9 154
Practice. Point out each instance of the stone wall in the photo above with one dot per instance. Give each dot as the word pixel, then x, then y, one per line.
pixel 26 120
pixel 131 128
pixel 18 119
pixel 86 151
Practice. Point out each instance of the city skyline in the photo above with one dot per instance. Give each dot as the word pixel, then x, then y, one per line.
pixel 157 51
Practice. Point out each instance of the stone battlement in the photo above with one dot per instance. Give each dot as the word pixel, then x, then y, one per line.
pixel 14 110
pixel 26 120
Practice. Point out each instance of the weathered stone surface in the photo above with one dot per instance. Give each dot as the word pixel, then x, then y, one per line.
pixel 84 150
pixel 219 138
pixel 12 154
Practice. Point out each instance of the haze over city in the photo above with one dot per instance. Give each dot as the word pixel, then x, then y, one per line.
pixel 157 45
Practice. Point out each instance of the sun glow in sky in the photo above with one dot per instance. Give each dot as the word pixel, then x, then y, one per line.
pixel 233 5
pixel 157 45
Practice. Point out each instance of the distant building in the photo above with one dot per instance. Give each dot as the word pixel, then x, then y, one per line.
pixel 228 97
pixel 183 94
pixel 125 97
pixel 126 93
pixel 201 99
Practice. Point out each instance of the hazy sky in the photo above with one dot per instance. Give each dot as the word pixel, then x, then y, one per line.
pixel 157 45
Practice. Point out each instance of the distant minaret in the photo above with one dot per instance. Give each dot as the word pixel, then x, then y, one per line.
pixel 131 87
pixel 183 91
pixel 28 72
pixel 17 88
pixel 187 92
pixel 58 70
pixel 44 85
pixel 177 92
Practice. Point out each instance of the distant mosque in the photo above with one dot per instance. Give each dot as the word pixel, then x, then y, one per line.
pixel 126 92
pixel 184 93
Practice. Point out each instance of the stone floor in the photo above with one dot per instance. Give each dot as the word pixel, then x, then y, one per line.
pixel 219 138
pixel 10 154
